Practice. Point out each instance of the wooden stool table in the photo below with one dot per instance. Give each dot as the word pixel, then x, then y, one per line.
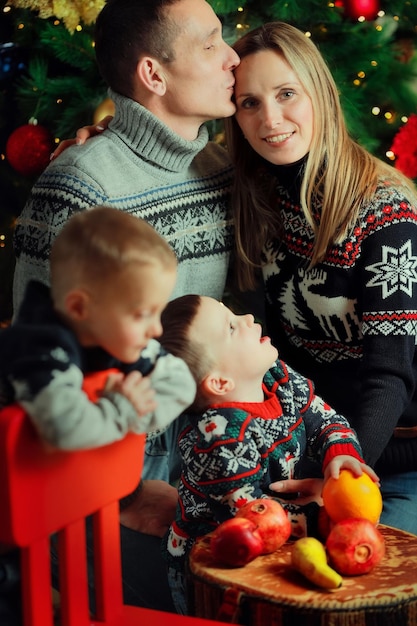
pixel 269 592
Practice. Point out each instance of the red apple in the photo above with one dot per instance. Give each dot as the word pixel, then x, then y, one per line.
pixel 271 521
pixel 236 542
pixel 354 546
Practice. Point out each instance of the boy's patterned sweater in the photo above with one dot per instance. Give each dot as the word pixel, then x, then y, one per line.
pixel 233 451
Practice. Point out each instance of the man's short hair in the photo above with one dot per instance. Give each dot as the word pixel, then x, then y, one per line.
pixel 127 30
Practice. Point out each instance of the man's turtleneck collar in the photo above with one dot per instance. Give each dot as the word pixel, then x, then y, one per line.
pixel 152 139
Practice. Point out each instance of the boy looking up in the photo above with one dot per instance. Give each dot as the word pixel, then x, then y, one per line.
pixel 254 421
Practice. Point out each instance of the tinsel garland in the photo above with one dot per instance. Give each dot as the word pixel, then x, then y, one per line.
pixel 71 12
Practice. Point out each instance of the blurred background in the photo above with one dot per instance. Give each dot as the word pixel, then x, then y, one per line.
pixel 50 86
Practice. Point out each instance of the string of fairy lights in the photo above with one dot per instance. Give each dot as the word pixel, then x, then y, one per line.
pixel 75 14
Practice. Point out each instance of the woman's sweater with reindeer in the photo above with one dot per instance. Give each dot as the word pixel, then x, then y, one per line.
pixel 233 451
pixel 350 323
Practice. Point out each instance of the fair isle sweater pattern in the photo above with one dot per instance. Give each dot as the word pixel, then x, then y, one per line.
pixel 233 451
pixel 182 213
pixel 348 318
pixel 138 165
pixel 316 307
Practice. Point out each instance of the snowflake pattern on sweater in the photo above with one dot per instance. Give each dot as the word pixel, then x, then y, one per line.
pixel 138 165
pixel 325 292
pixel 345 321
pixel 233 451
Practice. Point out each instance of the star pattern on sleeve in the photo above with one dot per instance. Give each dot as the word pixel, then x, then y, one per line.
pixel 396 272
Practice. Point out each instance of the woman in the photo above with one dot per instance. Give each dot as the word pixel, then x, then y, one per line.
pixel 336 242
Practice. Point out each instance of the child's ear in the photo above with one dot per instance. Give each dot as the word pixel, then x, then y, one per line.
pixel 76 305
pixel 216 385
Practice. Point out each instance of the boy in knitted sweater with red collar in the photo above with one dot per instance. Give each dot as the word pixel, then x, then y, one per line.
pixel 254 421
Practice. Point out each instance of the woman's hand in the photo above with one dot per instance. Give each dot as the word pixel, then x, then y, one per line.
pixel 305 490
pixel 82 135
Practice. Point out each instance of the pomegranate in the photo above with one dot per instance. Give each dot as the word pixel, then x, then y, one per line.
pixel 271 521
pixel 354 546
pixel 236 542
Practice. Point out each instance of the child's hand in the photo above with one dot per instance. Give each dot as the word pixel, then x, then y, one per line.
pixel 113 381
pixel 344 461
pixel 137 389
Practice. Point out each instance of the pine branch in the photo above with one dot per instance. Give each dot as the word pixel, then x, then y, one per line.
pixel 312 18
pixel 76 50
pixel 226 6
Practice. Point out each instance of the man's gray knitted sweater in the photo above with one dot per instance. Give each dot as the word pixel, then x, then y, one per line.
pixel 137 165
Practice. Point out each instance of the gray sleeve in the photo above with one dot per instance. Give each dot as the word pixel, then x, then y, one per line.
pixel 175 390
pixel 65 417
pixel 61 190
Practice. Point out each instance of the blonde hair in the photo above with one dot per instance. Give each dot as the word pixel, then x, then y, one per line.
pixel 97 244
pixel 339 174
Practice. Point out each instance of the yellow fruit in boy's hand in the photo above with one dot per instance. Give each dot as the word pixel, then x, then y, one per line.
pixel 352 496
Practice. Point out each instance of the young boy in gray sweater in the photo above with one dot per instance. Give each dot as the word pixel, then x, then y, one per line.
pixel 111 276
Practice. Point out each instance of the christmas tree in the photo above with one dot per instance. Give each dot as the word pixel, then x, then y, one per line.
pixel 48 74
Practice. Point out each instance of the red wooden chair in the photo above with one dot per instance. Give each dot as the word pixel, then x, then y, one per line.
pixel 45 491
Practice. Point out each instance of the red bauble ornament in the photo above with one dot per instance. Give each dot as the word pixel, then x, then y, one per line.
pixel 361 8
pixel 28 149
pixel 404 146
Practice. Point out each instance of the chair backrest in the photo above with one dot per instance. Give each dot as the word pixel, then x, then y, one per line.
pixel 45 491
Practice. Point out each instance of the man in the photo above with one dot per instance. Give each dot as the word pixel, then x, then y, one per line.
pixel 169 71
pixel 154 159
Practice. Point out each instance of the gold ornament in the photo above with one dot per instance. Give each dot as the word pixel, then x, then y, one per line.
pixel 104 108
pixel 71 12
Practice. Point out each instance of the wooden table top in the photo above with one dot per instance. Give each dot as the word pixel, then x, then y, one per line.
pixel 272 577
